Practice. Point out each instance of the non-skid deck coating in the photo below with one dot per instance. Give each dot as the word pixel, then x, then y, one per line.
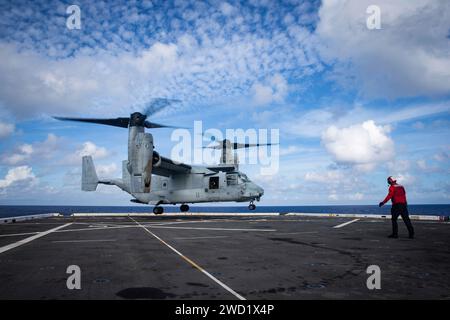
pixel 283 257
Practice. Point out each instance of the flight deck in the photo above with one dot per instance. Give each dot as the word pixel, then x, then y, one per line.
pixel 222 257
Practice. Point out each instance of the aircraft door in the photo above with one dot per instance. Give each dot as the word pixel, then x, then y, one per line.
pixel 215 186
pixel 213 183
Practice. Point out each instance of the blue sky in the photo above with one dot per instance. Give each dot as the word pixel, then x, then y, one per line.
pixel 353 105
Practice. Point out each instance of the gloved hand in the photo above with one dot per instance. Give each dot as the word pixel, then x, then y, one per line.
pixel 380 204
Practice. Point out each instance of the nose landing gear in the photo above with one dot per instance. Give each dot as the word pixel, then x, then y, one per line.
pixel 251 206
pixel 184 208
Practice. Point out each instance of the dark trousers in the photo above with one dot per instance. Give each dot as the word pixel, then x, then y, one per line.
pixel 401 209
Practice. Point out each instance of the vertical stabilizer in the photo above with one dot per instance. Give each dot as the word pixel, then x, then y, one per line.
pixel 89 179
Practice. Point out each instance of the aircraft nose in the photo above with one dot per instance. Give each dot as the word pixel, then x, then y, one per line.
pixel 257 190
pixel 260 191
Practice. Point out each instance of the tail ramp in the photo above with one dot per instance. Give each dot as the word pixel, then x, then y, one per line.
pixel 89 179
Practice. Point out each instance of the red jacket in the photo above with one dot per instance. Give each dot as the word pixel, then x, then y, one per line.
pixel 397 193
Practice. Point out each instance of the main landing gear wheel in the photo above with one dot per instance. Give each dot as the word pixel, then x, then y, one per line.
pixel 251 206
pixel 184 208
pixel 158 210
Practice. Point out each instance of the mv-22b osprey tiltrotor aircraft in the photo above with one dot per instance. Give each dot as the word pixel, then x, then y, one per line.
pixel 154 179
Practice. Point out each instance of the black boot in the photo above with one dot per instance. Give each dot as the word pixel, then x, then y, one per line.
pixel 393 236
pixel 411 236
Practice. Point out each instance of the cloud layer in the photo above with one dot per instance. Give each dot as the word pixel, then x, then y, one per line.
pixel 409 56
pixel 343 96
pixel 363 145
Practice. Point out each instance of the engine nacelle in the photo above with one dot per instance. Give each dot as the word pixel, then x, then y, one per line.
pixel 140 159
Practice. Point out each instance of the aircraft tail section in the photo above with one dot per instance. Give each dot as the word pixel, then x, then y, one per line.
pixel 89 179
pixel 125 174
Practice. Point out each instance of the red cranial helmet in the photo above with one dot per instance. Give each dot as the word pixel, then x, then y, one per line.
pixel 391 180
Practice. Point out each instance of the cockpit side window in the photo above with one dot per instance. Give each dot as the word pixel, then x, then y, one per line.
pixel 232 179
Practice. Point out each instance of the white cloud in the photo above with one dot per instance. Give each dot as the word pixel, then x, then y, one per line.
pixel 313 122
pixel 408 56
pixel 22 154
pixel 400 165
pixel 324 177
pixel 26 153
pixel 289 150
pixel 273 91
pixel 18 174
pixel 226 8
pixel 333 197
pixel 441 156
pixel 424 167
pixel 88 149
pixel 106 170
pixel 6 129
pixel 363 145
pixel 309 124
pixel 192 67
pixel 356 196
pixel 48 147
pixel 422 164
pixel 419 125
pixel 405 179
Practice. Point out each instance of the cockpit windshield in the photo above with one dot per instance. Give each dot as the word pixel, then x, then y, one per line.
pixel 243 177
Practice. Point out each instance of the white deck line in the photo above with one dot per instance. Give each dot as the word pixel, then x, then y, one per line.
pixel 192 263
pixel 370 216
pixel 29 239
pixel 174 214
pixel 258 214
pixel 345 223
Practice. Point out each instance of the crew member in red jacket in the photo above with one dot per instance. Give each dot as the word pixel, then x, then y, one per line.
pixel 397 194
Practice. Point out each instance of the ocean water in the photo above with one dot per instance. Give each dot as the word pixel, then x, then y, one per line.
pixel 428 209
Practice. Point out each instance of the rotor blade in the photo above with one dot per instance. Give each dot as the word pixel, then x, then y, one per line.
pixel 153 125
pixel 116 122
pixel 157 104
pixel 217 147
pixel 248 145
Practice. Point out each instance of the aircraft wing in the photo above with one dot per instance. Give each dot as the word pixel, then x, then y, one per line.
pixel 168 168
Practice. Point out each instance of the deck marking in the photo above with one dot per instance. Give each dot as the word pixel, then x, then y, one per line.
pixel 175 222
pixel 121 226
pixel 192 263
pixel 17 234
pixel 95 228
pixel 195 238
pixel 345 223
pixel 301 232
pixel 220 229
pixel 93 240
pixel 29 239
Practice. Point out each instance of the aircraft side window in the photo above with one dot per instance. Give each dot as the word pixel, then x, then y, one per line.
pixel 231 180
pixel 214 182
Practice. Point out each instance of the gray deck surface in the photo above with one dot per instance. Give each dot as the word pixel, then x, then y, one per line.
pixel 282 257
